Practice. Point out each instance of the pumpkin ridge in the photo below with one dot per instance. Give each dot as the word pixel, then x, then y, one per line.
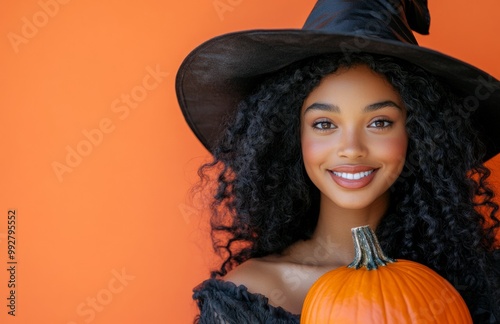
pixel 349 285
pixel 359 288
pixel 408 282
pixel 429 290
pixel 343 278
pixel 381 296
pixel 386 300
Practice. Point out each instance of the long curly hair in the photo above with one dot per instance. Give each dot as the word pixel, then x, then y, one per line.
pixel 441 213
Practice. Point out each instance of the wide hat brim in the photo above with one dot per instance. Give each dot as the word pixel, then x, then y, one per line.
pixel 219 73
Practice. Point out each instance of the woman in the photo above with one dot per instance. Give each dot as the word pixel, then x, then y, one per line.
pixel 356 126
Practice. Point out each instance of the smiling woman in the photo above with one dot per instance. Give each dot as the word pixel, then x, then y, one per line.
pixel 322 140
pixel 359 141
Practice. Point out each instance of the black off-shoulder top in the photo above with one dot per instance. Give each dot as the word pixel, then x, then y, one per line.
pixel 224 302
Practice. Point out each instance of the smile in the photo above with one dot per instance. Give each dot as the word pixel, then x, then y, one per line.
pixel 353 176
pixel 352 179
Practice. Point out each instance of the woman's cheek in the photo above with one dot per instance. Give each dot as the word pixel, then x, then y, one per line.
pixel 393 152
pixel 313 149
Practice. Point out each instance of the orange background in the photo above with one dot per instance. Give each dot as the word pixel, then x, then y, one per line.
pixel 112 237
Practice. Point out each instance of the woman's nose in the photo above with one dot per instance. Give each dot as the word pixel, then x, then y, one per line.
pixel 351 144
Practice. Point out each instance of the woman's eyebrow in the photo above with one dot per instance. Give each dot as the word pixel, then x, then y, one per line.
pixel 323 107
pixel 336 109
pixel 380 105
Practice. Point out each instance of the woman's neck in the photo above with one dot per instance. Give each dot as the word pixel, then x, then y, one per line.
pixel 335 223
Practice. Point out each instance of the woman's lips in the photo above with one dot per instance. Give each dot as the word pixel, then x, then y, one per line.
pixel 352 177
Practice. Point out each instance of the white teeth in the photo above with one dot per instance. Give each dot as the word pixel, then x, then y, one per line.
pixel 352 176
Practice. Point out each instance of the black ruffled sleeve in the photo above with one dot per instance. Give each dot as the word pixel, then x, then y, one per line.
pixel 224 302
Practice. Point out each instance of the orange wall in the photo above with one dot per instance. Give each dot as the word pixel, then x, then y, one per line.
pixel 108 235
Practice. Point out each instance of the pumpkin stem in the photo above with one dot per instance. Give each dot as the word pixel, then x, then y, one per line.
pixel 367 250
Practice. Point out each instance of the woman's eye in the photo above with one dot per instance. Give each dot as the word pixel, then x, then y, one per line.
pixel 381 123
pixel 324 125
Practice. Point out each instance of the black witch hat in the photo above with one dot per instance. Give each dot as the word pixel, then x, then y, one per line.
pixel 218 74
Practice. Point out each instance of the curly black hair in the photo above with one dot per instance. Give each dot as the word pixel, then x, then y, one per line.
pixel 441 214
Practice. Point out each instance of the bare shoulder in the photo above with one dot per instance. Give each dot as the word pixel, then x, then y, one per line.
pixel 286 278
pixel 284 283
pixel 259 275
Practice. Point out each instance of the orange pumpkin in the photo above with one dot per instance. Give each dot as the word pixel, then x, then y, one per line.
pixel 377 289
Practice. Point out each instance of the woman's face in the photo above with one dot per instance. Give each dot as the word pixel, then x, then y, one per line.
pixel 353 137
